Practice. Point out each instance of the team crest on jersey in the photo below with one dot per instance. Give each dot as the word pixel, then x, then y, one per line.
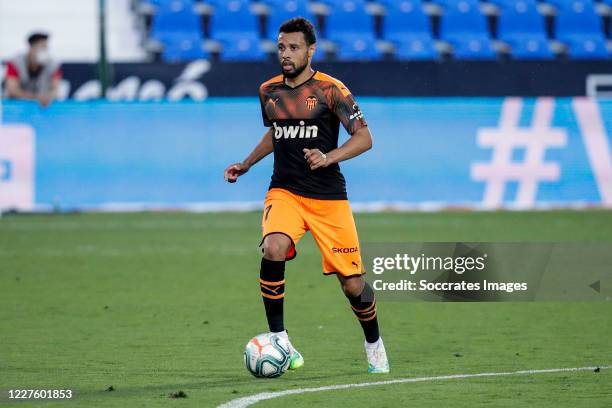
pixel 311 102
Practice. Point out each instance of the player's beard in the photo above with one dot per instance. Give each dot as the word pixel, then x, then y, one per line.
pixel 297 70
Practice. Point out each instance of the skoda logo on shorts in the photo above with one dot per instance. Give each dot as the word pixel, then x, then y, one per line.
pixel 344 250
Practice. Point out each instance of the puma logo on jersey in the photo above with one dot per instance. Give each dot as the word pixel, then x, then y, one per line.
pixel 273 102
pixel 293 132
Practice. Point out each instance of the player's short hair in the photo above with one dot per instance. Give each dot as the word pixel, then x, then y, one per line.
pixel 300 25
pixel 36 37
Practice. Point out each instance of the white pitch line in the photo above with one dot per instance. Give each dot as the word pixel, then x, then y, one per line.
pixel 255 398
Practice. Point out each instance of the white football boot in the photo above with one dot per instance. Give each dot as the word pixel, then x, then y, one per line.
pixel 297 360
pixel 377 357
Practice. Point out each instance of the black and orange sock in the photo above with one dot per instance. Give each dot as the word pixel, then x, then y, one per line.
pixel 272 284
pixel 364 307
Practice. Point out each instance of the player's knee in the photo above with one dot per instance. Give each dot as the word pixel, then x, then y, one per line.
pixel 352 286
pixel 276 246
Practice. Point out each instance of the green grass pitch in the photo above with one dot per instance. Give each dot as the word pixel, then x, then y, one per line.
pixel 156 303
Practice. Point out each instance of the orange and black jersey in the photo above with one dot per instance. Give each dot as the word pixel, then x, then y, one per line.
pixel 308 116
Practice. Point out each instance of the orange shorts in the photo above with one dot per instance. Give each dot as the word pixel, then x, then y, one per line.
pixel 330 222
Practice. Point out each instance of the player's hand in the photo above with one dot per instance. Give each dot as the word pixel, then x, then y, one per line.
pixel 316 158
pixel 44 100
pixel 233 171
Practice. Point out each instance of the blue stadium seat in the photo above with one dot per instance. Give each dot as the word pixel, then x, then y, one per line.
pixel 351 28
pixel 465 28
pixel 233 17
pixel 579 26
pixel 406 25
pixel 158 3
pixel 175 16
pixel 530 47
pixel 233 24
pixel 523 27
pixel 357 48
pixel 348 18
pixel 446 3
pixel 281 11
pixel 559 3
pixel 180 46
pixel 242 47
pixel 177 28
pixel 416 48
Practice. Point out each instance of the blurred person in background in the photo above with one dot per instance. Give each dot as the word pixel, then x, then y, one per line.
pixel 34 75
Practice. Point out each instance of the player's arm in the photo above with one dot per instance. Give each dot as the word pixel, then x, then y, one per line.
pixel 344 106
pixel 263 148
pixel 46 98
pixel 13 86
pixel 14 90
pixel 358 143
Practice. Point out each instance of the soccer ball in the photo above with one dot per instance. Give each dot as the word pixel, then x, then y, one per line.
pixel 267 355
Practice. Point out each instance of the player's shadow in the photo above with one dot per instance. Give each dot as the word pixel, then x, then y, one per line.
pixel 229 382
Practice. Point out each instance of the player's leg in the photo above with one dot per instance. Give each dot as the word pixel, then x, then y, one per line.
pixel 333 228
pixel 363 302
pixel 272 278
pixel 282 227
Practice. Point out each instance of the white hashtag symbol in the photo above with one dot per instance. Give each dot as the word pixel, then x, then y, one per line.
pixel 509 136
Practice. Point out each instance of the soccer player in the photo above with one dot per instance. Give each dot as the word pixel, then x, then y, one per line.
pixel 303 109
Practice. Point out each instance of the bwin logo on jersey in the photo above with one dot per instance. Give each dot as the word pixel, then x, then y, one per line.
pixel 292 132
